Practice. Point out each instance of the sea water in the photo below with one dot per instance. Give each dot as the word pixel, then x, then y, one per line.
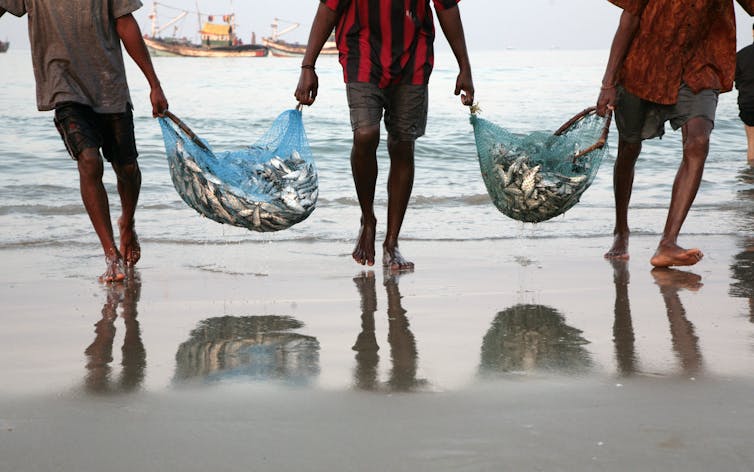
pixel 230 102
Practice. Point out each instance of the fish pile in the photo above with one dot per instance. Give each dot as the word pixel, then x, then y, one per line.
pixel 525 191
pixel 264 196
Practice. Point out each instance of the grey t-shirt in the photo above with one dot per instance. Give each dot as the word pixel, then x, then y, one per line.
pixel 76 51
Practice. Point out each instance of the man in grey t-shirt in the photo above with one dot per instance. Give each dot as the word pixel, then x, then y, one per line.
pixel 79 72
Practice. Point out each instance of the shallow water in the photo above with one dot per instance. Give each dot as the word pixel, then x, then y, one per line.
pixel 230 102
pixel 215 304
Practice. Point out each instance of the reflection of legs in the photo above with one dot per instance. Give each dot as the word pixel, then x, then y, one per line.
pixel 95 200
pixel 685 341
pixel 696 133
pixel 134 355
pixel 364 170
pixel 623 182
pixel 623 330
pixel 366 347
pixel 399 186
pixel 129 184
pixel 402 343
pixel 100 353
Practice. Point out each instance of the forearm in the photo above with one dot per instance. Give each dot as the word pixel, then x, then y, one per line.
pixel 130 35
pixel 323 24
pixel 627 28
pixel 452 28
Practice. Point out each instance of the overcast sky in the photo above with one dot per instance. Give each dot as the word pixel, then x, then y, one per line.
pixel 489 24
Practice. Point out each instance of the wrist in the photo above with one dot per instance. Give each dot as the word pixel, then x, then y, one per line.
pixel 307 67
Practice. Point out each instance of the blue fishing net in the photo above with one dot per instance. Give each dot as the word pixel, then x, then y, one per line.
pixel 538 176
pixel 268 186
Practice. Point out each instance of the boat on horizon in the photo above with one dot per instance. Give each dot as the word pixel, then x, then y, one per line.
pixel 4 45
pixel 281 48
pixel 218 39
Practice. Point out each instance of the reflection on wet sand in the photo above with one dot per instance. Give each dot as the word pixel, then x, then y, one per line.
pixel 685 341
pixel 743 264
pixel 623 328
pixel 742 271
pixel 99 354
pixel 683 337
pixel 403 352
pixel 248 347
pixel 526 338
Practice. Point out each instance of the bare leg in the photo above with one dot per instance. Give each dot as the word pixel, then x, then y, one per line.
pixel 399 185
pixel 750 144
pixel 623 182
pixel 364 170
pixel 95 201
pixel 129 185
pixel 696 133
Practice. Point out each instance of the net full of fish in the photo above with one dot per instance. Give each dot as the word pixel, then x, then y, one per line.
pixel 268 186
pixel 535 177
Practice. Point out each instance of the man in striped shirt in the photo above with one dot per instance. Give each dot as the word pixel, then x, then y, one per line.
pixel 385 48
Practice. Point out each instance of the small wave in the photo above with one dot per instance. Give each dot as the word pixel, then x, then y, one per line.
pixel 42 210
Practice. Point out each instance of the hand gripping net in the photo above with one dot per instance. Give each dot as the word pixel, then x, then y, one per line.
pixel 268 186
pixel 536 177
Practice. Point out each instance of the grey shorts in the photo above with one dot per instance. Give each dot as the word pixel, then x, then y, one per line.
pixel 405 108
pixel 638 119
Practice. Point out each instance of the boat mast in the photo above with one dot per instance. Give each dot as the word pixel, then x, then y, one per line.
pixel 153 16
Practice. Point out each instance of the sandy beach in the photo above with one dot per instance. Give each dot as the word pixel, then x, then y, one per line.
pixel 531 354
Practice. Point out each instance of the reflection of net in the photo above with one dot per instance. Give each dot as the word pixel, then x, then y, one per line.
pixel 268 186
pixel 260 347
pixel 533 337
pixel 535 177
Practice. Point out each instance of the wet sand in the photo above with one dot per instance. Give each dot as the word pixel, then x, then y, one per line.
pixel 529 354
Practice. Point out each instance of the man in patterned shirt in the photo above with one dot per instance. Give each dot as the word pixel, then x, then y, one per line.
pixel 385 48
pixel 668 62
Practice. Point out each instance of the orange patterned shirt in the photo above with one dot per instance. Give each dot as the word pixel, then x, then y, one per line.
pixel 691 41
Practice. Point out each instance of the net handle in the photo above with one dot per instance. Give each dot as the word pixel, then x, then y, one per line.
pixel 580 116
pixel 184 127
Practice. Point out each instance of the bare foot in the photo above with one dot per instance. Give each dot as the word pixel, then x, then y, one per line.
pixel 393 260
pixel 114 271
pixel 129 244
pixel 620 248
pixel 363 253
pixel 674 255
pixel 676 279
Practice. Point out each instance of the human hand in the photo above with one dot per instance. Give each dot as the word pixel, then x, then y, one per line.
pixel 606 100
pixel 306 90
pixel 159 102
pixel 466 84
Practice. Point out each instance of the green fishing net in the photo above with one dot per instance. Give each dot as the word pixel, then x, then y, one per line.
pixel 538 176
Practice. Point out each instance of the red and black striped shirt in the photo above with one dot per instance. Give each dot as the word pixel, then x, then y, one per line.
pixel 386 42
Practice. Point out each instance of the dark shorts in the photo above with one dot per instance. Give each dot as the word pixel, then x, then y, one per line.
pixel 405 108
pixel 638 119
pixel 747 116
pixel 82 128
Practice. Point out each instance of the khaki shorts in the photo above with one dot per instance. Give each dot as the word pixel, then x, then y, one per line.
pixel 638 119
pixel 405 108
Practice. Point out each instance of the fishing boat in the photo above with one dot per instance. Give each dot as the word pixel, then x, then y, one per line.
pixel 218 38
pixel 281 48
pixel 4 45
